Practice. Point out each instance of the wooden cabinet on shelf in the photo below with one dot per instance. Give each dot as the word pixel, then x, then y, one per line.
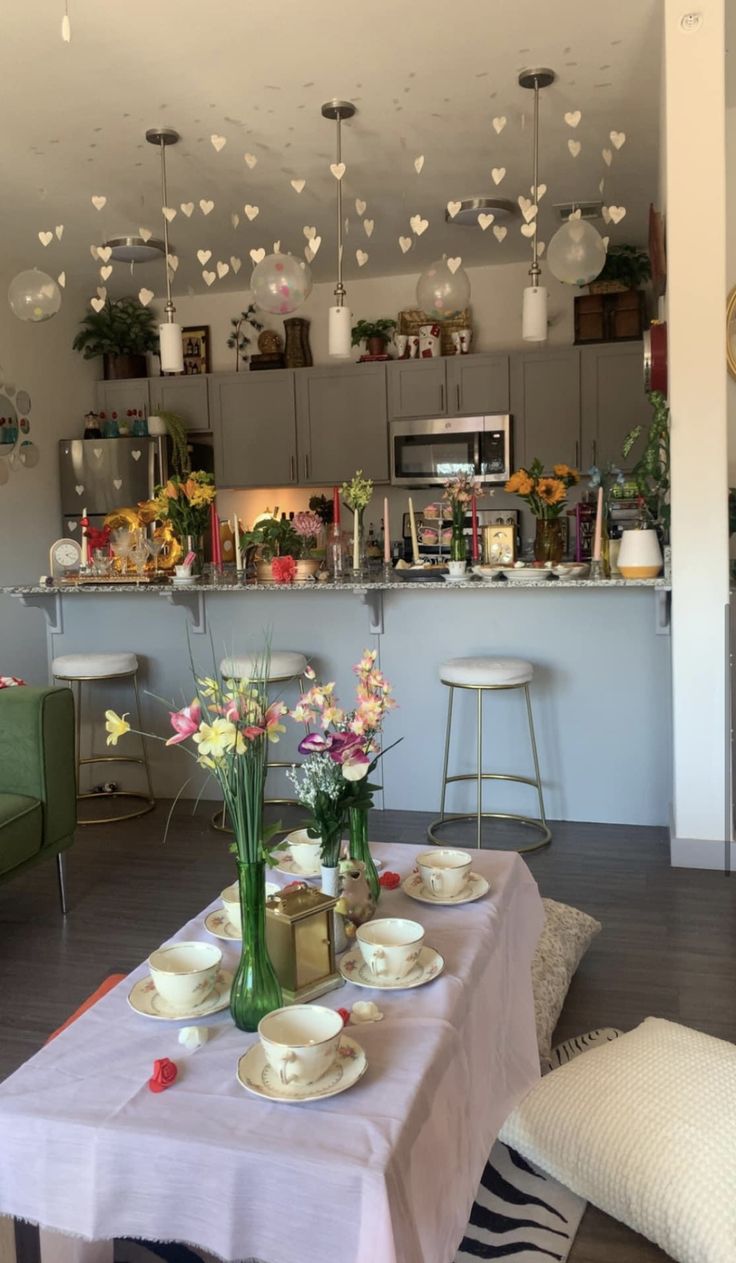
pixel 130 394
pixel 341 423
pixel 477 385
pixel 188 397
pixel 613 317
pixel 254 423
pixel 613 401
pixel 545 405
pixel 417 388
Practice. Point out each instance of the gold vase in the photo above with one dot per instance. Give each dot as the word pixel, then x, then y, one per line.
pixel 549 542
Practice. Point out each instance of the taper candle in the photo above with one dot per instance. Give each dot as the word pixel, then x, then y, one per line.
pixel 84 560
pixel 236 537
pixel 386 533
pixel 215 532
pixel 413 528
pixel 474 525
pixel 336 506
pixel 598 527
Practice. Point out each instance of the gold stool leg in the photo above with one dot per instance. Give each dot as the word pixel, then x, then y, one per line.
pixel 448 730
pixel 479 821
pixel 143 739
pixel 535 757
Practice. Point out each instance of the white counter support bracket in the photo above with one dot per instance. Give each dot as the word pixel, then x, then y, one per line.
pixel 662 603
pixel 51 606
pixel 193 603
pixel 373 600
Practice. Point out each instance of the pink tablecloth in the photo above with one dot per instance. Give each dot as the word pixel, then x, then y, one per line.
pixel 384 1173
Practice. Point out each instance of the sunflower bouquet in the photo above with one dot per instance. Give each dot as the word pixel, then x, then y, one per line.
pixel 546 494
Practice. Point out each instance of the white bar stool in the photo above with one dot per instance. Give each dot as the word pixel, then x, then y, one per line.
pixel 78 669
pixel 285 666
pixel 489 675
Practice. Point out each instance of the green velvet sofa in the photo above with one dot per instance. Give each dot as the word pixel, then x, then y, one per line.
pixel 37 779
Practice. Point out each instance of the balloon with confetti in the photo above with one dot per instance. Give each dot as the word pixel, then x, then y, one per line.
pixel 577 253
pixel 443 291
pixel 34 296
pixel 280 283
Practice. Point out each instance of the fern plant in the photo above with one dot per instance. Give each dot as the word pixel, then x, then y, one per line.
pixel 122 327
pixel 651 473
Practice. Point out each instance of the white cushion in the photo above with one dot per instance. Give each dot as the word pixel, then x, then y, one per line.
pixel 565 938
pixel 73 666
pixel 486 671
pixel 284 664
pixel 644 1128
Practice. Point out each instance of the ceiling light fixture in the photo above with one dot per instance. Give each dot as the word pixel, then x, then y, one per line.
pixel 534 311
pixel 171 349
pixel 339 329
pixel 66 26
pixel 471 207
pixel 133 249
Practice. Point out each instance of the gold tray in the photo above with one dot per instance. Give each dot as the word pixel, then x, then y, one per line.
pixel 105 580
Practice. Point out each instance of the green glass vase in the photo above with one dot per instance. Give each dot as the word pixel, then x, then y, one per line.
pixel 359 848
pixel 458 543
pixel 255 990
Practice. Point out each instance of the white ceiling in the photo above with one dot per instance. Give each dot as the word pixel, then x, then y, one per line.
pixel 427 79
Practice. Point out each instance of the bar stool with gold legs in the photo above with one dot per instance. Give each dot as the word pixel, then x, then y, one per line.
pixel 286 666
pixel 78 670
pixel 489 675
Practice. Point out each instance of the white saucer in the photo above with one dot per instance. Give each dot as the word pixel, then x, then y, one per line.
pixel 257 1076
pixel 186 578
pixel 144 999
pixel 354 969
pixel 476 888
pixel 218 924
pixel 288 865
pixel 463 578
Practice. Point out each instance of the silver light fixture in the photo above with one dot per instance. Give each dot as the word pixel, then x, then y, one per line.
pixel 471 207
pixel 339 330
pixel 170 343
pixel 534 311
pixel 133 249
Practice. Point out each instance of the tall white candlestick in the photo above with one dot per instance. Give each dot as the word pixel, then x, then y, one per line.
pixel 85 543
pixel 598 527
pixel 236 537
pixel 386 533
pixel 413 528
pixel 356 541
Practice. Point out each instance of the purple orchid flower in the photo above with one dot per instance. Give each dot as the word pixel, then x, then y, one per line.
pixel 315 743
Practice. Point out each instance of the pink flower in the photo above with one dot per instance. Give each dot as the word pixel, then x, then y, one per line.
pixel 315 743
pixel 355 767
pixel 283 569
pixel 309 673
pixel 185 723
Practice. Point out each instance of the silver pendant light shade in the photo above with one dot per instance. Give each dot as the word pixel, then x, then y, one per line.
pixel 340 318
pixel 534 309
pixel 170 341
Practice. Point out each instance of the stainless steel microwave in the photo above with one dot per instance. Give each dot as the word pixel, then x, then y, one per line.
pixel 427 453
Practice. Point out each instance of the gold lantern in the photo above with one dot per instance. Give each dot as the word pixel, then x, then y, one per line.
pixel 300 941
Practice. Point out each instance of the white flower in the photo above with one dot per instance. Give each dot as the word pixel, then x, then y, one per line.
pixel 365 1011
pixel 356 768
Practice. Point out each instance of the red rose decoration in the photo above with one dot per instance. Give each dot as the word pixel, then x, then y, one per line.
pixel 164 1074
pixel 389 881
pixel 283 569
pixel 345 1015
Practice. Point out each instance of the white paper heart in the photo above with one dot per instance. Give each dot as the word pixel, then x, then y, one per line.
pixel 250 159
pixel 251 211
pixel 360 205
pixel 309 232
pixel 172 261
pixel 187 208
pixel 617 139
pixel 528 230
pixel 499 232
pixel 453 208
pixel 204 256
pixel 169 213
pixel 71 525
pixel 117 483
pixel 101 292
pixel 97 304
pixel 541 190
pixel 95 252
pixel 218 142
pixel 59 230
pixel 362 257
pixel 104 253
pixel 61 278
pixel 454 264
pixel 258 255
pixel 541 247
pixel 136 454
pixel 607 156
pixel 574 146
pixel 338 169
pixel 45 238
pixel 79 488
pixel 601 185
pixel 314 244
pixel 485 219
pixel 222 269
pixel 576 214
pixel 405 243
pixel 209 277
pixel 605 241
pixel 277 247
pixel 106 271
pixel 235 263
pixel 368 226
pixel 497 174
pixel 499 123
pixel 145 296
pixel 98 201
pixel 145 234
pixel 419 163
pixel 205 205
pixel 418 225
pixel 617 213
pixel 573 117
pixel 97 451
pixel 297 185
pixel 234 219
pixel 606 214
pixel 308 254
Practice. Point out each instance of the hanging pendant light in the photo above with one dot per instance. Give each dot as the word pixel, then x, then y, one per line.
pixel 340 321
pixel 534 310
pixel 171 349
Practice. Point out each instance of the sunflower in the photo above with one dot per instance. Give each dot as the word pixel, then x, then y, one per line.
pixel 564 471
pixel 520 483
pixel 551 490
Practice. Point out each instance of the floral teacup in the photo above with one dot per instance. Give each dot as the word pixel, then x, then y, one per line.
pixel 185 973
pixel 390 947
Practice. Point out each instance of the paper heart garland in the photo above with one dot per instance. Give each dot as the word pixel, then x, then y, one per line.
pixel 541 247
pixel 145 234
pixel 235 263
pixel 106 271
pixel 101 292
pixel 61 278
pixel 541 190
pixel 528 230
pixel 497 174
pixel 95 252
pixel 218 142
pixel 360 205
pixel 485 219
pixel 418 225
pixel 208 277
pixel 277 247
pixel 250 159
pixel 79 488
pixel 314 244
pixel 368 226
pixel 617 213
pixel 338 169
pixel 117 483
pixel 145 296
pixel 234 219
pixel 297 185
pixel 453 208
pixel 97 451
pixel 527 207
pixel 454 264
pixel 309 232
pixel 362 257
pixel 205 205
pixel 172 261
pixel 606 214
pixel 222 269
pixel 59 230
pixel 499 123
pixel 169 213
pixel 499 232
pixel 45 238
pixel 574 146
pixel 258 255
pixel 308 254
pixel 136 454
pixel 405 243
pixel 98 201
pixel 573 117
pixel 97 304
pixel 419 163
pixel 204 256
pixel 251 211
pixel 607 156
pixel 617 139
pixel 187 208
pixel 104 253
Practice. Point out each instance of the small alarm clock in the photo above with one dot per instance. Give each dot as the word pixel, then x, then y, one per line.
pixel 65 558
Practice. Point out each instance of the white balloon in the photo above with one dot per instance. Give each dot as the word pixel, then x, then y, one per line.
pixel 577 253
pixel 442 293
pixel 280 283
pixel 34 296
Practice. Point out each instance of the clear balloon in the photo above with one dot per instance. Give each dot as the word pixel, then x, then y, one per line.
pixel 577 253
pixel 280 283
pixel 441 292
pixel 34 296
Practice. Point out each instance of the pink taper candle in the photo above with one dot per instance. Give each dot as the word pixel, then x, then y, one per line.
pixel 386 532
pixel 598 527
pixel 475 553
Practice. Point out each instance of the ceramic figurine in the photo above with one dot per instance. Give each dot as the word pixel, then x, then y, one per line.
pixel 356 904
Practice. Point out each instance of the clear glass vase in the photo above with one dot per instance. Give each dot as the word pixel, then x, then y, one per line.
pixel 359 848
pixel 194 544
pixel 256 989
pixel 549 541
pixel 458 542
pixel 357 545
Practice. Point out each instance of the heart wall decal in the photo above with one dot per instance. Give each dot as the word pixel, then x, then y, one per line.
pixel 574 146
pixel 205 205
pixel 218 142
pixel 136 454
pixel 573 117
pixel 209 277
pixel 419 163
pixel 360 205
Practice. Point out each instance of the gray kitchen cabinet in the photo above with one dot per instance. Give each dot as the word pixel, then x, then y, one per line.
pixel 417 388
pixel 254 423
pixel 123 396
pixel 545 404
pixel 477 384
pixel 613 401
pixel 342 423
pixel 188 397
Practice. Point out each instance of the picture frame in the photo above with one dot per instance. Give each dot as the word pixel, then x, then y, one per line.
pixel 195 341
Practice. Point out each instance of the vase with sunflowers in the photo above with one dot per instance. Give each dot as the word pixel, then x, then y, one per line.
pixel 184 502
pixel 546 496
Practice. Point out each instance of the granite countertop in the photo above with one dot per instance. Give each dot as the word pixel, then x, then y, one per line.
pixel 348 585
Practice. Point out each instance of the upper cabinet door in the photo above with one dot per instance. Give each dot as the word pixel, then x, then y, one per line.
pixel 186 396
pixel 342 423
pixel 123 396
pixel 477 385
pixel 545 403
pixel 417 388
pixel 254 422
pixel 613 401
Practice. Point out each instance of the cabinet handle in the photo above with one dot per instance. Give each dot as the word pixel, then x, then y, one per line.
pixel 442 397
pixel 595 452
pixel 577 454
pixel 292 471
pixel 457 390
pixel 306 466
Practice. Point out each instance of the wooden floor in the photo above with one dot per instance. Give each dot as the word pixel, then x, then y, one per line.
pixel 668 945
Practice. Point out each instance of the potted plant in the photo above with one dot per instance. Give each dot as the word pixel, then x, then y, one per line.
pixel 283 548
pixel 122 332
pixel 375 334
pixel 171 423
pixel 626 267
pixel 651 473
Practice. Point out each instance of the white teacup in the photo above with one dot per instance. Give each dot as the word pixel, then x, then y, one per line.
pixel 231 903
pixel 390 947
pixel 305 851
pixel 185 973
pixel 456 569
pixel 183 572
pixel 300 1042
pixel 444 871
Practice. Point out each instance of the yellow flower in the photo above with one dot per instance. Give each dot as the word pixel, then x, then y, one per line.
pixel 170 491
pixel 116 727
pixel 217 738
pixel 520 483
pixel 565 471
pixel 551 490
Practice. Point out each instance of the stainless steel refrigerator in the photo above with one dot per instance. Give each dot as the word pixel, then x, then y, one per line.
pixel 104 474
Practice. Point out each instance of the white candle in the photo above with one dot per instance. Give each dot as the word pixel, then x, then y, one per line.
pixel 598 527
pixel 386 533
pixel 413 528
pixel 85 544
pixel 236 537
pixel 356 542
